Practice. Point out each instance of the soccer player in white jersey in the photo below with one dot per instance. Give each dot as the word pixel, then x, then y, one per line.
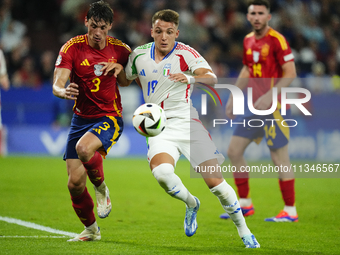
pixel 166 71
pixel 4 84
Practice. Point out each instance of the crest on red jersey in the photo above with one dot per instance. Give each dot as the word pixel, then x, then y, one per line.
pixel 97 70
pixel 265 51
pixel 112 60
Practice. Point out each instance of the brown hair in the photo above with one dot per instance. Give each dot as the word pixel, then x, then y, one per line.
pixel 100 11
pixel 259 2
pixel 167 16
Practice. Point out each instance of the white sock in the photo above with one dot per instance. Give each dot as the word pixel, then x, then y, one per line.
pixel 93 227
pixel 102 187
pixel 172 184
pixel 230 204
pixel 291 210
pixel 245 202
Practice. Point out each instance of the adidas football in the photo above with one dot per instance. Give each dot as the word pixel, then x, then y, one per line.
pixel 149 119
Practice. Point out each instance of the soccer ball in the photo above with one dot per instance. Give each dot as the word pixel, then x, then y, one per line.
pixel 149 119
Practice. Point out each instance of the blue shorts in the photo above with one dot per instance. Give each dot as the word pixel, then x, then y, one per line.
pixel 108 129
pixel 275 132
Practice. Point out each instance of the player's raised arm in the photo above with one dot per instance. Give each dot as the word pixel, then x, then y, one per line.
pixel 60 78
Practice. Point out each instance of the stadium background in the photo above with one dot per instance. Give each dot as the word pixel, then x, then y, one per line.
pixel 32 32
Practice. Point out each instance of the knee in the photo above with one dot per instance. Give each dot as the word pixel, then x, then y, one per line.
pixel 83 152
pixel 75 187
pixel 162 173
pixel 214 182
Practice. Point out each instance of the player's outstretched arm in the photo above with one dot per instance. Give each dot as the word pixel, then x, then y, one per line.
pixel 59 80
pixel 111 68
pixel 117 70
pixel 122 80
pixel 206 76
pixel 202 75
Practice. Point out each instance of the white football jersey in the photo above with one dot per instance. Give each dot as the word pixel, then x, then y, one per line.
pixel 173 97
pixel 3 69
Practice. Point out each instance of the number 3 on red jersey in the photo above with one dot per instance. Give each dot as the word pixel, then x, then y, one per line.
pixel 96 82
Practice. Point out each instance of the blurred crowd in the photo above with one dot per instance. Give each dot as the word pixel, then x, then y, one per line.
pixel 32 32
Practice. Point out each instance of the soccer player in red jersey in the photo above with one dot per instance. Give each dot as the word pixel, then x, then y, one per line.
pixel 267 61
pixel 93 63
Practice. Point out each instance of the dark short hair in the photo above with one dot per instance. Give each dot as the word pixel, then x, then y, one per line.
pixel 166 15
pixel 259 2
pixel 100 11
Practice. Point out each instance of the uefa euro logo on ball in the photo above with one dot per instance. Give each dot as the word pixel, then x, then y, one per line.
pixel 149 120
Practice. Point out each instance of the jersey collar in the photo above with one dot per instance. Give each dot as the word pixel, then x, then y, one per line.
pixel 152 52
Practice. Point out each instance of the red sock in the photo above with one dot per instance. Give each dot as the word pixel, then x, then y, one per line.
pixel 83 206
pixel 242 183
pixel 94 168
pixel 288 192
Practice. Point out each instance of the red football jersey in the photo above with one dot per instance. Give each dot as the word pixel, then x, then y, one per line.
pixel 98 94
pixel 264 58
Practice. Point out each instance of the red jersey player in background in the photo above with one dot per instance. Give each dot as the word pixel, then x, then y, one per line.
pixel 93 63
pixel 267 57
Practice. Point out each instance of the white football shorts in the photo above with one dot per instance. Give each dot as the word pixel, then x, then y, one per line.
pixel 184 136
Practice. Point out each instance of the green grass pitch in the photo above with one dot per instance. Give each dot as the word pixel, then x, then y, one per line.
pixel 145 220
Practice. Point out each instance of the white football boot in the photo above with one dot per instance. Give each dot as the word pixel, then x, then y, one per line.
pixel 91 233
pixel 103 200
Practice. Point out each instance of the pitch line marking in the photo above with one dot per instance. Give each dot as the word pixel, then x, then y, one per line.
pixel 32 236
pixel 37 226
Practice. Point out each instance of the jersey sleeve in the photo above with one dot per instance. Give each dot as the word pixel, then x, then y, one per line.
pixel 244 59
pixel 131 69
pixel 65 56
pixel 194 59
pixel 283 51
pixel 199 63
pixel 3 68
pixel 124 54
